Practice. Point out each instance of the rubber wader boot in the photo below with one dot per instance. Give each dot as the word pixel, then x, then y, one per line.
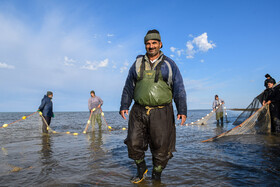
pixel 222 120
pixel 156 174
pixel 141 171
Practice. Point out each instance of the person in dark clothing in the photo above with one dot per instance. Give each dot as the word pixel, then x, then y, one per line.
pixel 271 96
pixel 46 108
pixel 268 77
pixel 153 80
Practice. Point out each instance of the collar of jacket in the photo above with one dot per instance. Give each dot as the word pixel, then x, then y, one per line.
pixel 146 58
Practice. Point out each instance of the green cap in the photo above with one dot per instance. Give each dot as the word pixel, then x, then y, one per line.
pixel 49 93
pixel 152 35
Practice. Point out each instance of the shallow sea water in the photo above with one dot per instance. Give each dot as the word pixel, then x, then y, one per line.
pixel 99 158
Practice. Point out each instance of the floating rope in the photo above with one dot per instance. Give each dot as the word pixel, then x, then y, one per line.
pixel 52 131
pixel 203 120
pixel 23 118
pixel 102 114
pixel 55 132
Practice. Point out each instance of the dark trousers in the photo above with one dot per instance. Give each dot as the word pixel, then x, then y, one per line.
pixel 156 129
pixel 274 109
pixel 48 120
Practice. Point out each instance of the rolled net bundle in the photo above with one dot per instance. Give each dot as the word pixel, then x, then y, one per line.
pixel 207 118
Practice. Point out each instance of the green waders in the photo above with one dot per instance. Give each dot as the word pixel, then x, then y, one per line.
pixel 151 123
pixel 96 117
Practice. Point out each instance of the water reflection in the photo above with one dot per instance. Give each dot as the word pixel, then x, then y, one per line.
pixel 219 130
pixel 46 154
pixel 46 147
pixel 96 141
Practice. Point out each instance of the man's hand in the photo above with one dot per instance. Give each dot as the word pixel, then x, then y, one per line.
pixel 268 102
pixel 183 117
pixel 123 112
pixel 99 106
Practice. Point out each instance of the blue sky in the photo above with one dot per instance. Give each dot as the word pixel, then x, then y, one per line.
pixel 72 47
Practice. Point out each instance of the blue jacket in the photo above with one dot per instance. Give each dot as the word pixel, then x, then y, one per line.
pixel 46 106
pixel 171 75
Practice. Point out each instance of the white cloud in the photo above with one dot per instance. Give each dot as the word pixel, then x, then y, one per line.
pixel 68 61
pixel 190 51
pixel 110 35
pixel 125 66
pixel 104 63
pixel 6 66
pixel 179 52
pixel 95 65
pixel 122 69
pixel 202 43
pixel 202 60
pixel 172 49
pixel 109 42
pixel 198 44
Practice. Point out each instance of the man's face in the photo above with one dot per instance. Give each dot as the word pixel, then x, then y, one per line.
pixel 153 47
pixel 217 98
pixel 92 94
pixel 270 85
pixel 50 96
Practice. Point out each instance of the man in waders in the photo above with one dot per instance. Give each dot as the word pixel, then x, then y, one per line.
pixel 272 97
pixel 94 106
pixel 153 80
pixel 46 108
pixel 218 107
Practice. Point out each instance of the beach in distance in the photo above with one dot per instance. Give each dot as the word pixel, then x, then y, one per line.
pixel 29 158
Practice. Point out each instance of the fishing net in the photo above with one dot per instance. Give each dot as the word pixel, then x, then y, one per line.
pixel 258 123
pixel 255 119
pixel 250 110
pixel 209 118
pixel 98 121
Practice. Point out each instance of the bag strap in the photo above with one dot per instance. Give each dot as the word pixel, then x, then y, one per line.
pixel 142 68
pixel 158 68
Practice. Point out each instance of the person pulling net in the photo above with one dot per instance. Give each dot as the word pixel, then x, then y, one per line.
pixel 94 106
pixel 257 117
pixel 218 109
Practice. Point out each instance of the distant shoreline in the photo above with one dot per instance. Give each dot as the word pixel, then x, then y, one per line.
pixel 243 109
